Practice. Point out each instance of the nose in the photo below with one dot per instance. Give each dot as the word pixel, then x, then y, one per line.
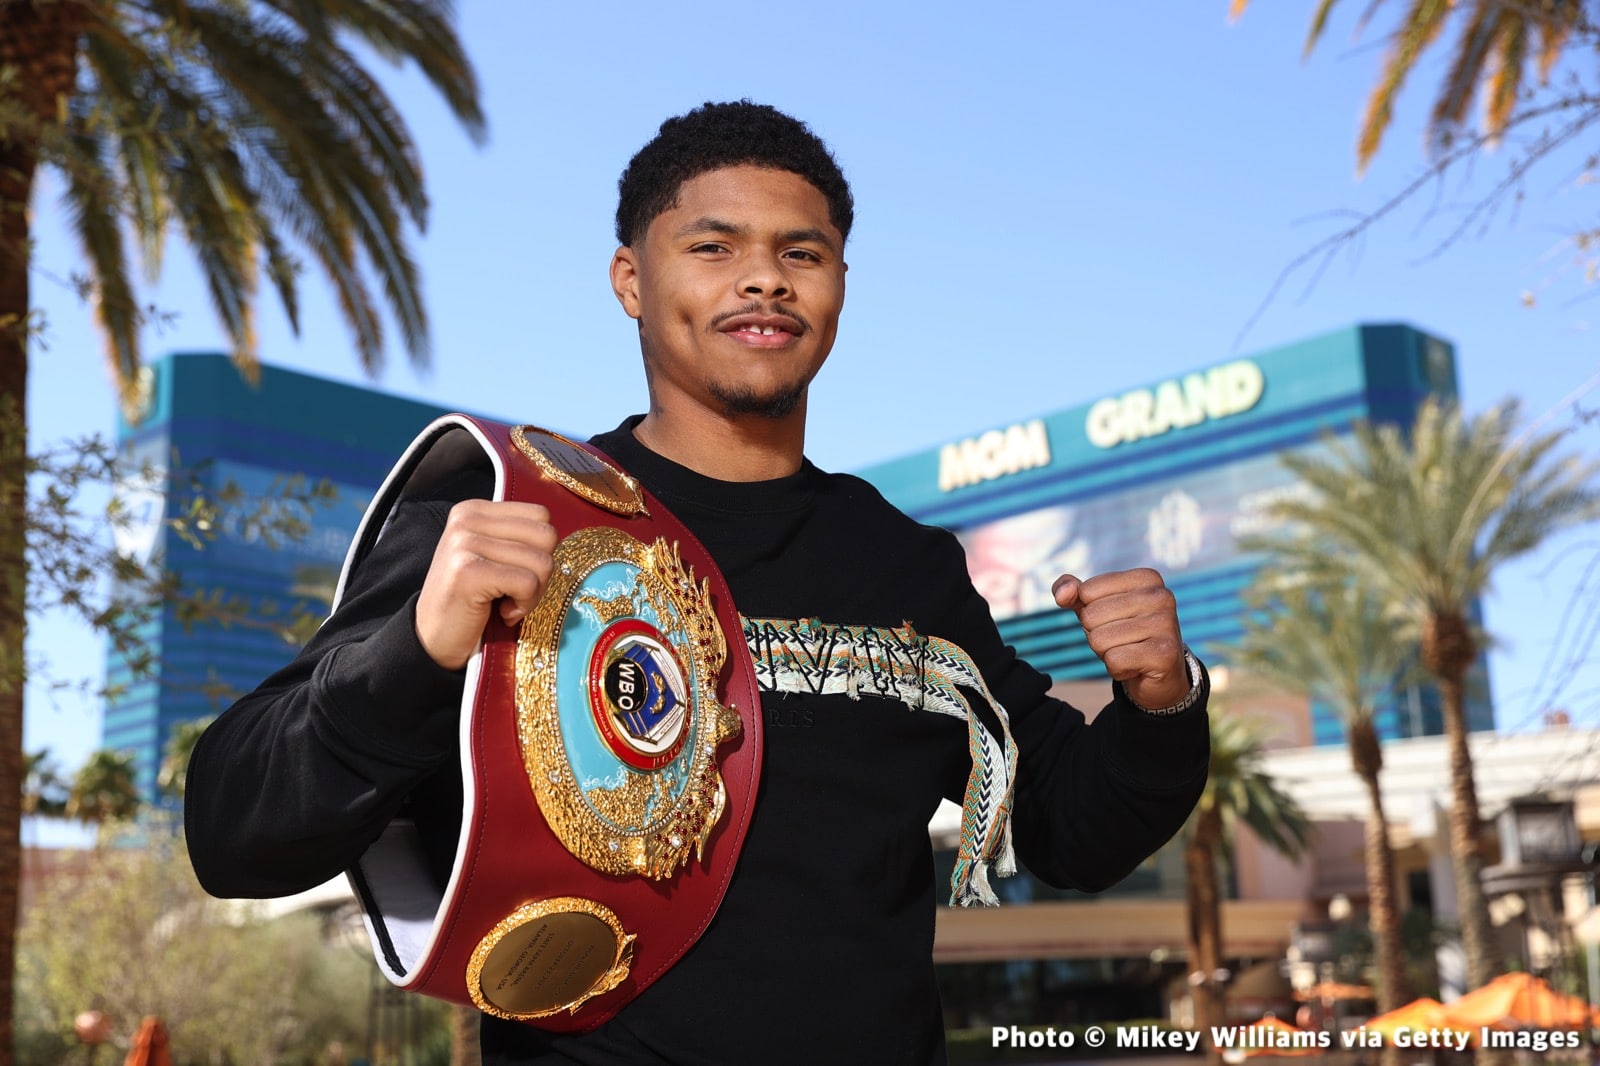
pixel 764 276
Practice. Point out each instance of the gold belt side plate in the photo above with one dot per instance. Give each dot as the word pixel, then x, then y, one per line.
pixel 579 470
pixel 548 957
pixel 625 795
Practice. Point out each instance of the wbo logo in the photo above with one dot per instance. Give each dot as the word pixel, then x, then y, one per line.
pixel 638 695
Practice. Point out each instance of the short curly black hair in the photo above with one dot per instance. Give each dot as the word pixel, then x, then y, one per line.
pixel 713 136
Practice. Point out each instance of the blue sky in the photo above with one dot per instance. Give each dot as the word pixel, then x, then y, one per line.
pixel 1055 202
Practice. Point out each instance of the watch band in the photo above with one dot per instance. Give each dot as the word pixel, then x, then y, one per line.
pixel 1195 674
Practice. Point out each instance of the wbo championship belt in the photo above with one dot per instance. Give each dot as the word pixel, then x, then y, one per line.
pixel 610 750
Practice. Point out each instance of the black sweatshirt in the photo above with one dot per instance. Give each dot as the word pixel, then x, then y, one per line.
pixel 821 951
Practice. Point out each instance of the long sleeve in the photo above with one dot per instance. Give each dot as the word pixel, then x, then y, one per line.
pixel 1093 799
pixel 293 782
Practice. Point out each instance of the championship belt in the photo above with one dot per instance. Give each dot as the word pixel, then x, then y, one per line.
pixel 610 750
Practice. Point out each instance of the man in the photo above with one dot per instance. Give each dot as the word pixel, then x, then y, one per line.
pixel 732 225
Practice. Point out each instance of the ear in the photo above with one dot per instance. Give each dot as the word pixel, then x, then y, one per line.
pixel 625 280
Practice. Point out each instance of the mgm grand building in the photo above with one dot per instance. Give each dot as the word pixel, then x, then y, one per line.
pixel 1168 474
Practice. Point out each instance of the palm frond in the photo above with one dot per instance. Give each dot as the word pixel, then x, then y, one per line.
pixel 422 32
pixel 143 154
pixel 1512 34
pixel 1319 23
pixel 1424 518
pixel 1498 45
pixel 251 127
pixel 1467 63
pixel 1419 29
pixel 1554 33
pixel 93 197
pixel 1314 631
pixel 337 146
pixel 1241 792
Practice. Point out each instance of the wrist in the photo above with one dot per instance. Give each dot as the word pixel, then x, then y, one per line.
pixel 1196 675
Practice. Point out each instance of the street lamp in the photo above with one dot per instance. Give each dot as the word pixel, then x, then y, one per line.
pixel 1539 847
pixel 1339 911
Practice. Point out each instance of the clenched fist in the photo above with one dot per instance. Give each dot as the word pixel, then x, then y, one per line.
pixel 1131 620
pixel 494 555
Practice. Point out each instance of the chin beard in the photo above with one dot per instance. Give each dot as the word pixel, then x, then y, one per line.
pixel 743 400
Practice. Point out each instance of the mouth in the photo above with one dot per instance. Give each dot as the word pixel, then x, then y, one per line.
pixel 762 330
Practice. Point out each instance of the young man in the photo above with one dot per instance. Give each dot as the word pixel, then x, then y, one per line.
pixel 732 225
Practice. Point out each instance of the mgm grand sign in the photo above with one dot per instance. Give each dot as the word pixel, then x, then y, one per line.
pixel 1221 392
pixel 1205 396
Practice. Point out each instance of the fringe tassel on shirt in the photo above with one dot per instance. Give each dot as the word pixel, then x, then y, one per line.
pixel 924 673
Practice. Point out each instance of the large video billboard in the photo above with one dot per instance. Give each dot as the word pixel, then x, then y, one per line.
pixel 1180 526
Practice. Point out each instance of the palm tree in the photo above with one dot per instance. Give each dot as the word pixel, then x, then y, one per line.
pixel 251 128
pixel 1496 43
pixel 105 791
pixel 1337 642
pixel 44 793
pixel 1238 791
pixel 173 774
pixel 1423 521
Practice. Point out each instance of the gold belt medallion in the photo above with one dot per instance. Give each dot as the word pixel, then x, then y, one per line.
pixel 628 646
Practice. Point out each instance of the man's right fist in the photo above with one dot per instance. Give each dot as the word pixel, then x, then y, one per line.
pixel 494 555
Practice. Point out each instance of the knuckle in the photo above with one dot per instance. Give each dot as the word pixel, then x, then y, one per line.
pixel 1163 650
pixel 467 546
pixel 1118 661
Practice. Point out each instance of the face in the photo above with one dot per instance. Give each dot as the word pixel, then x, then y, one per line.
pixel 737 291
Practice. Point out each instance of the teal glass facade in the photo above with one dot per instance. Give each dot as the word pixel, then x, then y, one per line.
pixel 206 428
pixel 1169 475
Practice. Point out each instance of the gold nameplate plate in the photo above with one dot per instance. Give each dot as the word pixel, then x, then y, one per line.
pixel 578 470
pixel 549 957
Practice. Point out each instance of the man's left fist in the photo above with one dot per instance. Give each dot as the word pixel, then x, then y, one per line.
pixel 1131 620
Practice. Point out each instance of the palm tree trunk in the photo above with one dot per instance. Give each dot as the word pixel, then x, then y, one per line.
pixel 1204 909
pixel 1384 910
pixel 38 46
pixel 1383 913
pixel 1366 758
pixel 13 568
pixel 1448 649
pixel 1477 932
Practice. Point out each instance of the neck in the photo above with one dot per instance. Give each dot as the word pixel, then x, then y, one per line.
pixel 728 448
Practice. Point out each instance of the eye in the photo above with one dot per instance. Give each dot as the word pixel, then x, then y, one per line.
pixel 708 247
pixel 803 254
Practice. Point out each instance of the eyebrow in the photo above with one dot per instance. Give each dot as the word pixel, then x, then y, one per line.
pixel 709 224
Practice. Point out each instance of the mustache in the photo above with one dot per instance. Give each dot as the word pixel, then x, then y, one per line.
pixel 755 307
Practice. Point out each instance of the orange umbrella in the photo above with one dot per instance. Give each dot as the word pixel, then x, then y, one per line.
pixel 1334 990
pixel 1518 1000
pixel 149 1045
pixel 1425 1014
pixel 1277 1037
